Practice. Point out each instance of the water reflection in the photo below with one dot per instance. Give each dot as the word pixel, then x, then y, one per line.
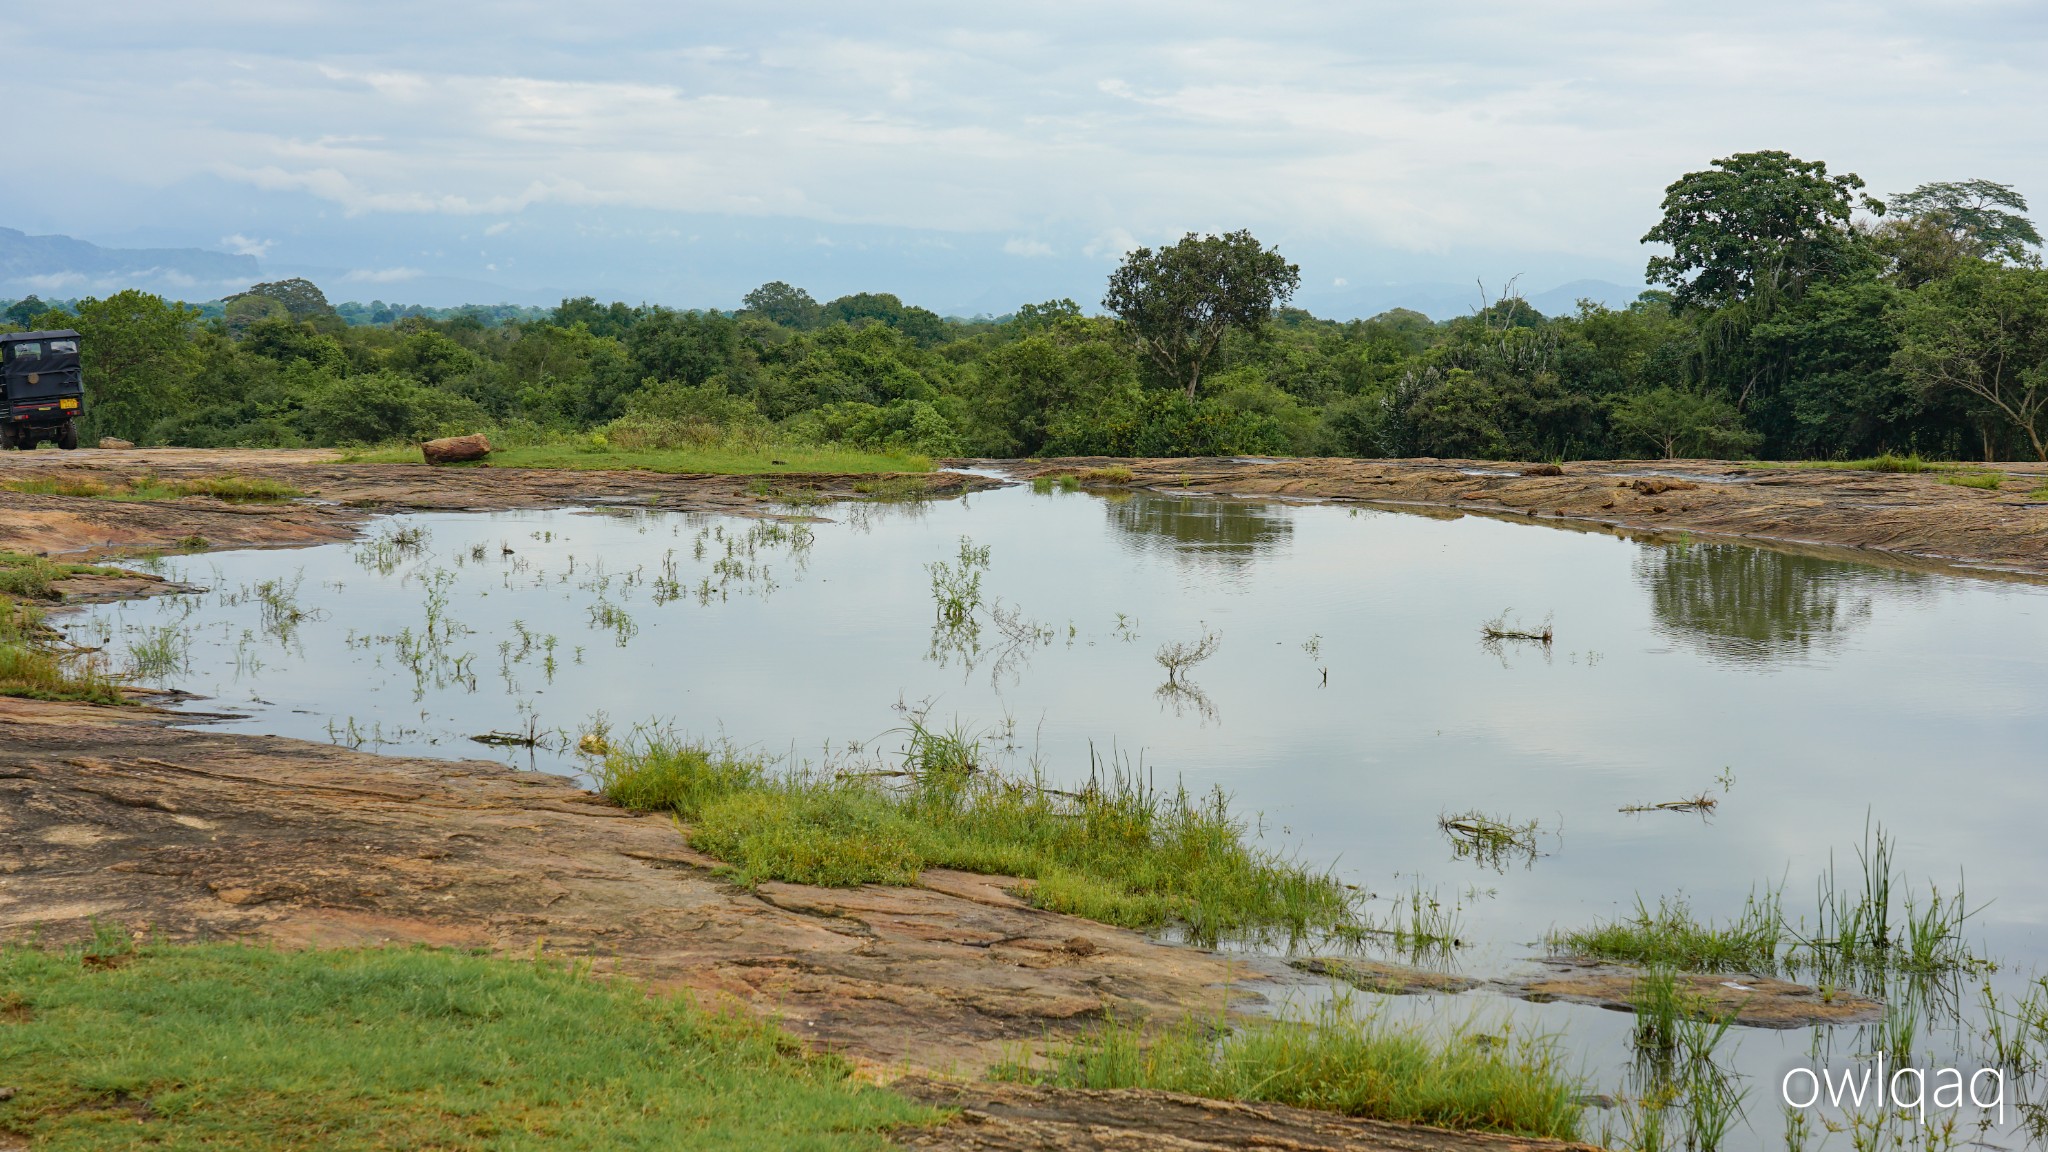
pixel 1203 530
pixel 1749 605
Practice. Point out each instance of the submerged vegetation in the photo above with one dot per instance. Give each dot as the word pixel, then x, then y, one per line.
pixel 34 660
pixel 114 1045
pixel 1118 849
pixel 1863 931
pixel 1336 1062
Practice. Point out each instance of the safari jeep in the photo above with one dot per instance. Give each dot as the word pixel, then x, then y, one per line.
pixel 41 393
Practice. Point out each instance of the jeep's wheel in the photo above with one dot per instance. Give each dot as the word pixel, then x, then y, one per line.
pixel 6 436
pixel 67 436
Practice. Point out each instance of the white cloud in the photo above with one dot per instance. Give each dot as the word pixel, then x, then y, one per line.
pixel 382 275
pixel 242 245
pixel 1085 129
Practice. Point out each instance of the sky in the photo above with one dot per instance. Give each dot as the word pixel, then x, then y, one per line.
pixel 970 157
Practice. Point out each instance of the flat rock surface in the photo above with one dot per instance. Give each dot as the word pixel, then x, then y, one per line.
pixel 1908 520
pixel 340 496
pixel 110 814
pixel 1017 1118
pixel 1756 1001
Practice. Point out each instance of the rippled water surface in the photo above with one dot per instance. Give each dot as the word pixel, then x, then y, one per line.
pixel 1351 699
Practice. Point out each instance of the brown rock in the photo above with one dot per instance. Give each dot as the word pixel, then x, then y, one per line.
pixel 1757 1001
pixel 456 449
pixel 1543 470
pixel 1656 485
pixel 111 443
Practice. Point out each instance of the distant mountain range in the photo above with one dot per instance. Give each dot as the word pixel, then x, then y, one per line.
pixel 61 266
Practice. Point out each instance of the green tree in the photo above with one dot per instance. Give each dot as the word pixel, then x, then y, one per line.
pixel 790 307
pixel 1988 220
pixel 24 310
pixel 1682 423
pixel 382 407
pixel 302 298
pixel 1983 333
pixel 1756 221
pixel 1179 302
pixel 139 356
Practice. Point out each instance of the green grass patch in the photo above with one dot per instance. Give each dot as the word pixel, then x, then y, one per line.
pixel 1987 481
pixel 232 1046
pixel 1117 850
pixel 27 577
pixel 737 460
pixel 32 666
pixel 232 489
pixel 1337 1062
pixel 1672 937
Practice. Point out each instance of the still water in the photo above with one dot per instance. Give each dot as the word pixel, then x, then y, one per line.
pixel 1350 701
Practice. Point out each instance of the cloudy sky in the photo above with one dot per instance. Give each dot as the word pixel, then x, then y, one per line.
pixel 969 157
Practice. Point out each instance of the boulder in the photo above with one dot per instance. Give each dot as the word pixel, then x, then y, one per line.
pixel 456 449
pixel 110 443
pixel 1658 485
pixel 1543 470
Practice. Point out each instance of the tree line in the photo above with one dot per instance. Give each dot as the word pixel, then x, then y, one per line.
pixel 1794 316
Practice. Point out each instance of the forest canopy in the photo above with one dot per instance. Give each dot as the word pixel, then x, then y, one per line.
pixel 1796 316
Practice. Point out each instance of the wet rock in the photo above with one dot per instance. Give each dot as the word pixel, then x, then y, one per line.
pixel 456 449
pixel 1543 470
pixel 114 444
pixel 1377 976
pixel 1756 1001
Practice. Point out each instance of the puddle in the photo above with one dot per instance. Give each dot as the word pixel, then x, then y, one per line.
pixel 1350 701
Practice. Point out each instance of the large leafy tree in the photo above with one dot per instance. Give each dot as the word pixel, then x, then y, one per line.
pixel 1179 302
pixel 1754 222
pixel 1987 220
pixel 788 306
pixel 139 356
pixel 1983 333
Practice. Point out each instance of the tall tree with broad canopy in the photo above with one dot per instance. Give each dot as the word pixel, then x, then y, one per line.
pixel 1756 221
pixel 1179 302
pixel 1989 220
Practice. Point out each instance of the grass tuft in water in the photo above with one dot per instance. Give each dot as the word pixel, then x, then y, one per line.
pixel 1671 936
pixel 230 1046
pixel 1336 1062
pixel 1117 850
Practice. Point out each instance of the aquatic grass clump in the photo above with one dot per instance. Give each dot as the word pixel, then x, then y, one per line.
pixel 1335 1062
pixel 1987 481
pixel 38 673
pixel 27 577
pixel 1117 850
pixel 114 1045
pixel 1672 937
pixel 661 776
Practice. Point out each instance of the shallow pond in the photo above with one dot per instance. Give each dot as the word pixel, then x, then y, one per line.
pixel 1351 699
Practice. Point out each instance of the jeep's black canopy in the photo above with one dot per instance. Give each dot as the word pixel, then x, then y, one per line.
pixel 50 334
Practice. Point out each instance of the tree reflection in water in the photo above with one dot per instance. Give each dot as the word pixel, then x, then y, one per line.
pixel 1752 605
pixel 1200 529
